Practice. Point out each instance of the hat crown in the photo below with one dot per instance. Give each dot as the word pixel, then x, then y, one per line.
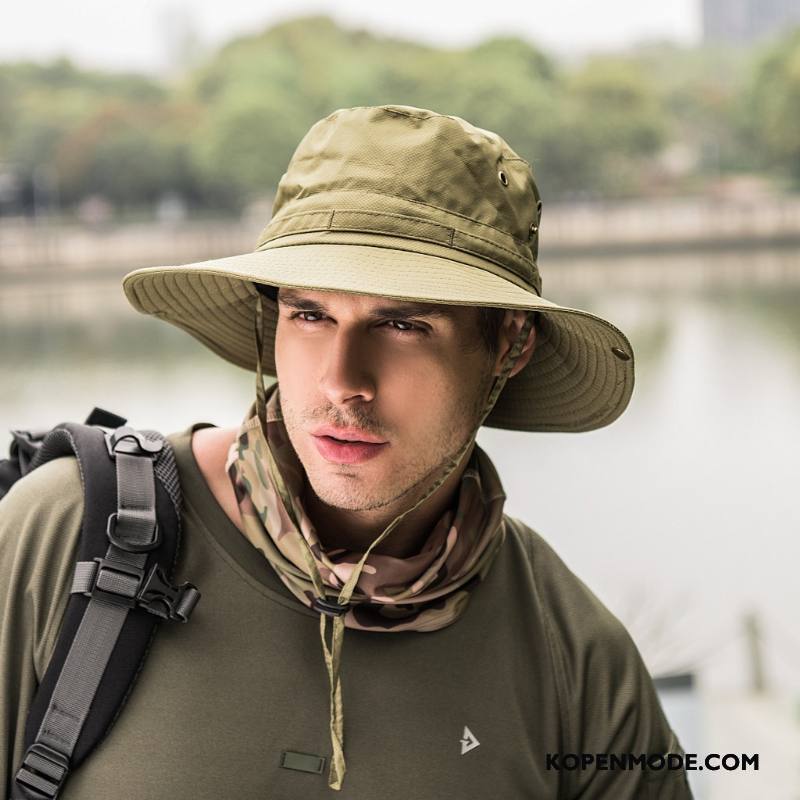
pixel 410 173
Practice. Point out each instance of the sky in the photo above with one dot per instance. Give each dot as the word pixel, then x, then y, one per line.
pixel 145 35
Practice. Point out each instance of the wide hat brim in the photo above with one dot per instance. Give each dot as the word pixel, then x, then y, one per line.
pixel 580 377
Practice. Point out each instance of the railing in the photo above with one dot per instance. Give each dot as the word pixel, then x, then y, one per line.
pixel 31 248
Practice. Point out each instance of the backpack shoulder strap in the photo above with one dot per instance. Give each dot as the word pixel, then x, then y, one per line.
pixel 127 552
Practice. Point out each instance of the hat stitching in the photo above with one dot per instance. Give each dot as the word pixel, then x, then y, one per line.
pixel 588 398
pixel 333 212
pixel 225 313
pixel 494 244
pixel 362 192
pixel 446 228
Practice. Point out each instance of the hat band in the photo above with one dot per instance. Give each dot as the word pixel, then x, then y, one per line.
pixel 483 241
pixel 415 246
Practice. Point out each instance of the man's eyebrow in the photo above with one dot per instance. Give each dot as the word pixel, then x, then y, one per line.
pixel 404 309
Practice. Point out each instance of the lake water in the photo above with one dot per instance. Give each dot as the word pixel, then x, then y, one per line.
pixel 682 515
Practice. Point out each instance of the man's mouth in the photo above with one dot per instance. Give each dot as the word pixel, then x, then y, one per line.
pixel 339 451
pixel 350 434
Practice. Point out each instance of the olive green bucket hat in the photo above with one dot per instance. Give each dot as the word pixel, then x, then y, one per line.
pixel 403 202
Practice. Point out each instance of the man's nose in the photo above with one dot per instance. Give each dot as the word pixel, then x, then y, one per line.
pixel 346 372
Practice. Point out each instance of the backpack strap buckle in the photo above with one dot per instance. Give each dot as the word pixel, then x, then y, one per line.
pixel 115 582
pixel 128 585
pixel 43 772
pixel 129 440
pixel 160 597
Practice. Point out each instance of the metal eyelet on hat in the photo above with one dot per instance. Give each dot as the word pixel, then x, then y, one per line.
pixel 621 354
pixel 503 178
pixel 533 230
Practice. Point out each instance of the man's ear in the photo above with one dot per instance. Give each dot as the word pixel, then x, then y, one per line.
pixel 509 331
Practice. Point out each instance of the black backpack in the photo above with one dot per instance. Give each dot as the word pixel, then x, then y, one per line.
pixel 128 548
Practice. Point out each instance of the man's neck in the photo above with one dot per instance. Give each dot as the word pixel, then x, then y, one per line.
pixel 356 530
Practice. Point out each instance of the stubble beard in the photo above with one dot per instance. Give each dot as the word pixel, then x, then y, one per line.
pixel 342 486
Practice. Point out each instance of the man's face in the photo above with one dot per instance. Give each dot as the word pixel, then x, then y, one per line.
pixel 409 378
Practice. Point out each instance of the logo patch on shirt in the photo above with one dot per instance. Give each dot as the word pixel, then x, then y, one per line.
pixel 303 762
pixel 468 741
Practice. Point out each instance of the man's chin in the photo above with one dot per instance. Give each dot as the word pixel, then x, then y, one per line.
pixel 352 489
pixel 351 501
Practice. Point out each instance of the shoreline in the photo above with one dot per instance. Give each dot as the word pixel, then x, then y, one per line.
pixel 32 250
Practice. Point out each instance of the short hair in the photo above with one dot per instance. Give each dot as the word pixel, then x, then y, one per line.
pixel 490 320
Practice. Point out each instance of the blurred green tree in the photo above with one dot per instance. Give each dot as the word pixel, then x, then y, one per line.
pixel 772 106
pixel 221 134
pixel 126 152
pixel 43 105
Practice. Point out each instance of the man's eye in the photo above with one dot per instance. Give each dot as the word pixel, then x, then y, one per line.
pixel 302 316
pixel 404 326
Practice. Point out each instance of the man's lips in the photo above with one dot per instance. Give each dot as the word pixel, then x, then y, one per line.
pixel 347 434
pixel 347 445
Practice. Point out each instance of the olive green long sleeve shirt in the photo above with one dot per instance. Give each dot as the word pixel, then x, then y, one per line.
pixel 535 666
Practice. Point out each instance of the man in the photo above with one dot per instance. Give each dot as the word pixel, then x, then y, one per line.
pixel 395 296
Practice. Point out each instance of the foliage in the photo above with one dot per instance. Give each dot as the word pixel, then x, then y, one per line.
pixel 773 106
pixel 222 134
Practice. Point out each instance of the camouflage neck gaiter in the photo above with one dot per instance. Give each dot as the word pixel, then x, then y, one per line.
pixel 423 592
pixel 369 588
